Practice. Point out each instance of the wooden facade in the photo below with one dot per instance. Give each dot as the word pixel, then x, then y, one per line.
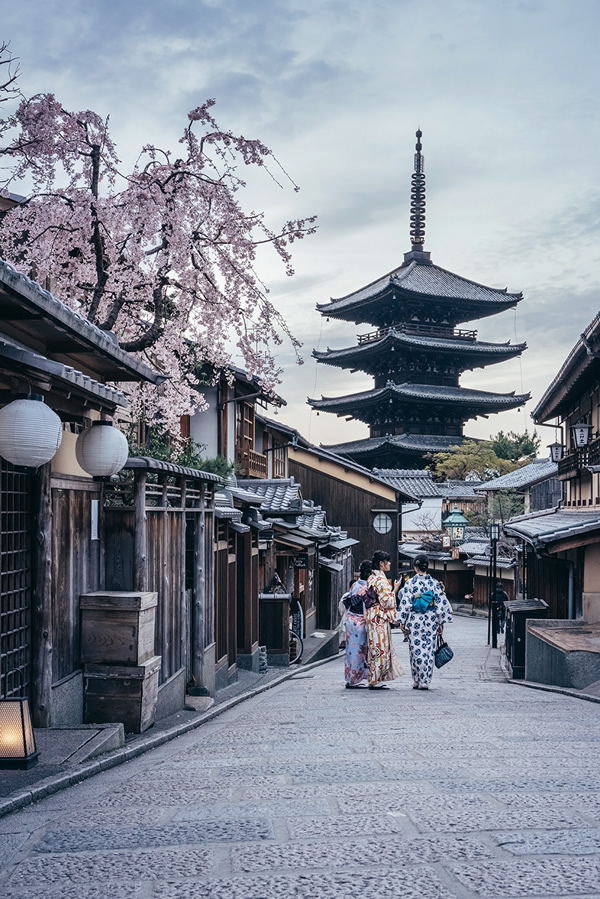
pixel 353 501
pixel 158 526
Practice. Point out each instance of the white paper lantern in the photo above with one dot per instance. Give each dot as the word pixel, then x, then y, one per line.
pixel 30 432
pixel 101 450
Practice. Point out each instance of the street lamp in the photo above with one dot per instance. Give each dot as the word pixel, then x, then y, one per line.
pixel 494 532
pixel 455 525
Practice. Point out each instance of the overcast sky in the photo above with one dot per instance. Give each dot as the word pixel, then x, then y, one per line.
pixel 505 92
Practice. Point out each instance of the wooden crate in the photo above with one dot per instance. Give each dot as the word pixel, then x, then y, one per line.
pixel 122 693
pixel 117 628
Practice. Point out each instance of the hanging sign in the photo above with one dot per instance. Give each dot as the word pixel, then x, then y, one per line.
pixel 301 560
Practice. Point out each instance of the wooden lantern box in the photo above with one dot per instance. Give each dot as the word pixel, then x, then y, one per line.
pixel 125 693
pixel 117 628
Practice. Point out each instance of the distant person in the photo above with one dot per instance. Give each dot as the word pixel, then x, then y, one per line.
pixel 424 609
pixel 380 612
pixel 500 597
pixel 355 667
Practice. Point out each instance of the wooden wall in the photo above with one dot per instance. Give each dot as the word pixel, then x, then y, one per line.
pixel 76 567
pixel 350 508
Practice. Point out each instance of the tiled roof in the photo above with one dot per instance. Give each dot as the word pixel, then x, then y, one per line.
pixel 44 305
pixel 422 393
pixel 278 494
pixel 70 377
pixel 539 470
pixel 416 483
pixel 429 280
pixel 418 443
pixel 460 489
pixel 554 525
pixel 474 348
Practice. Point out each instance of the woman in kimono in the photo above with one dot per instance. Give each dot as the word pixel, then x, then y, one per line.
pixel 422 627
pixel 382 660
pixel 355 668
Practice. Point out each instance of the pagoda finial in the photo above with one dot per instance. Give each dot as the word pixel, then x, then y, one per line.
pixel 417 197
pixel 417 209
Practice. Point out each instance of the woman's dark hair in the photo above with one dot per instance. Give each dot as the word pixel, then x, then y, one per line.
pixel 365 569
pixel 380 556
pixel 421 562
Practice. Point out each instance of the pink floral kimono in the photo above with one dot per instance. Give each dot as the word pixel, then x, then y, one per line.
pixel 382 659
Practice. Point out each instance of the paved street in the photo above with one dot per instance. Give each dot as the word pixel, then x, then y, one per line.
pixel 475 788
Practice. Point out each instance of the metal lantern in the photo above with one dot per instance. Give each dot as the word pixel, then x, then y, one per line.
pixel 30 432
pixel 557 451
pixel 101 450
pixel 455 525
pixel 581 434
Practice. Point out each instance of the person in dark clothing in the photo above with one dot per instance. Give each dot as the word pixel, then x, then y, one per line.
pixel 500 597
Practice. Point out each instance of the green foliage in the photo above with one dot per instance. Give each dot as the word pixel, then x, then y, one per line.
pixel 187 453
pixel 501 505
pixel 471 460
pixel 516 447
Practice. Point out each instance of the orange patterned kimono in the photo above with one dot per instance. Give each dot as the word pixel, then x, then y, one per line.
pixel 382 659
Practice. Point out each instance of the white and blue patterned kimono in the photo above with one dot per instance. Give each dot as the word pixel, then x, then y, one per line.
pixel 422 626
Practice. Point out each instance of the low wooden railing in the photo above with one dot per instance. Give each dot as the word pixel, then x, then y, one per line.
pixel 419 329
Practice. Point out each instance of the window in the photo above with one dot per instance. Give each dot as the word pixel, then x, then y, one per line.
pixel 382 523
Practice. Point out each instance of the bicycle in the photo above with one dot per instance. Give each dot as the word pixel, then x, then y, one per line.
pixel 296 647
pixel 296 629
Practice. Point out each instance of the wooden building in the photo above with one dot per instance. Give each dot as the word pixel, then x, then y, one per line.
pixel 560 559
pixel 51 520
pixel 416 353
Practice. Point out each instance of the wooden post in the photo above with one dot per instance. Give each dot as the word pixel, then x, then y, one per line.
pixel 184 635
pixel 140 536
pixel 198 636
pixel 42 600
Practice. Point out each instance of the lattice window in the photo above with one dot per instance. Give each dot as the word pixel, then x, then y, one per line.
pixel 15 581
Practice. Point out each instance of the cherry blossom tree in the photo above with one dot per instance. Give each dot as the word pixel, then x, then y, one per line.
pixel 163 256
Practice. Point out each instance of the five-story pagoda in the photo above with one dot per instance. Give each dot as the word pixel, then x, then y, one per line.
pixel 416 353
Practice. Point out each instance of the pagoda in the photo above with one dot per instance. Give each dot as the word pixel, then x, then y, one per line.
pixel 416 352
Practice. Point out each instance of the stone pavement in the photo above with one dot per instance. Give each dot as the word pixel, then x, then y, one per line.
pixel 476 788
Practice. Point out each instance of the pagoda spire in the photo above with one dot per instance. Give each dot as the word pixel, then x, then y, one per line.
pixel 417 207
pixel 417 198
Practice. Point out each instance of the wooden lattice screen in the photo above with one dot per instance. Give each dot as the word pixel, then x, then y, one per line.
pixel 15 581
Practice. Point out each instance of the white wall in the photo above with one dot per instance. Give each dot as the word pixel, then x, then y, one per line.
pixel 430 512
pixel 204 425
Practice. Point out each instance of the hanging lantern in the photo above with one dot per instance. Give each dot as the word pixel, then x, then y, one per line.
pixel 557 451
pixel 581 434
pixel 101 450
pixel 30 432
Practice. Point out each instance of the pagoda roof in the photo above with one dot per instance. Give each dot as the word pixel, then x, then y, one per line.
pixel 485 353
pixel 420 393
pixel 408 443
pixel 423 280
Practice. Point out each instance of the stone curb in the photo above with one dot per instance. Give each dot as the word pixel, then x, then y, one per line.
pixel 57 782
pixel 547 688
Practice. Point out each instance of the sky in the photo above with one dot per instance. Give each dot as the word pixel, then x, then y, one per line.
pixel 504 91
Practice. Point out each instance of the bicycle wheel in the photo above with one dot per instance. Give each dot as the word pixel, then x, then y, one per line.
pixel 296 647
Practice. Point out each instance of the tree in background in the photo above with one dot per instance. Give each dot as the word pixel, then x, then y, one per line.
pixel 471 460
pixel 516 447
pixel 501 505
pixel 163 256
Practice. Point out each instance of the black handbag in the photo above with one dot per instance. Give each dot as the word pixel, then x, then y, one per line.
pixel 443 653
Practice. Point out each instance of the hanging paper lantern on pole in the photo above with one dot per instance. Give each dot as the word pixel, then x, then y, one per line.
pixel 101 450
pixel 30 432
